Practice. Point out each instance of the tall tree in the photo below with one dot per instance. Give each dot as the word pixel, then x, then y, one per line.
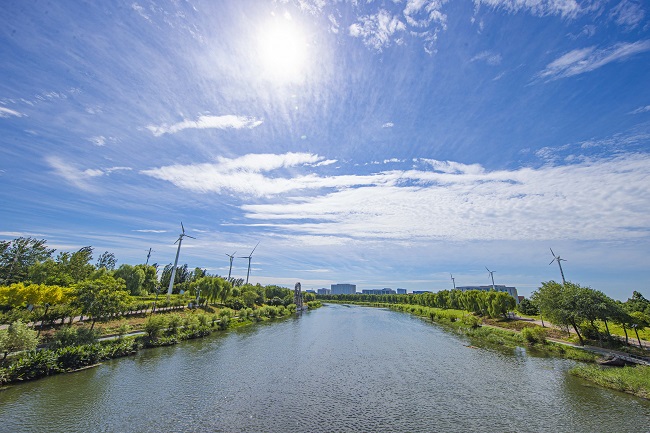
pixel 133 277
pixel 101 297
pixel 106 260
pixel 18 255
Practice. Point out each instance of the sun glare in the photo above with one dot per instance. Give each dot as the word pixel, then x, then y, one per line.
pixel 283 51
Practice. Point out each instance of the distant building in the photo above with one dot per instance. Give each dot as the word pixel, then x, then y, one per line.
pixel 324 291
pixel 401 291
pixel 310 291
pixel 343 289
pixel 512 291
pixel 386 291
pixel 419 292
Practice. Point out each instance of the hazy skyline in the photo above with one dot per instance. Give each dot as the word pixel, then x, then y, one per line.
pixel 380 143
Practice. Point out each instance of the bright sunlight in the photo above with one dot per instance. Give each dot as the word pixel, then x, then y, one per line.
pixel 283 50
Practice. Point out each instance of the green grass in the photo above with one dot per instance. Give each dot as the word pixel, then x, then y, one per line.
pixel 632 380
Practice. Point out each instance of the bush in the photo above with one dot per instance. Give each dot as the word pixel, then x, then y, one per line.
pixel 17 337
pixel 73 336
pixel 471 321
pixel 154 325
pixel 74 357
pixel 33 365
pixel 534 335
pixel 224 322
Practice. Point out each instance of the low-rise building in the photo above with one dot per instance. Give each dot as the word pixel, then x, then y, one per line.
pixel 324 291
pixel 343 289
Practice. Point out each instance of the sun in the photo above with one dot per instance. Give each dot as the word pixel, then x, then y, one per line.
pixel 283 51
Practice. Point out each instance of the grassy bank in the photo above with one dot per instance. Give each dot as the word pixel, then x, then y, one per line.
pixel 632 380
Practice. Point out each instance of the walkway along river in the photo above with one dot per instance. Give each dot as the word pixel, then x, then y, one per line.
pixel 339 368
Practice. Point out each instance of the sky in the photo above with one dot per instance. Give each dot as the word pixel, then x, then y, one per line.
pixel 379 143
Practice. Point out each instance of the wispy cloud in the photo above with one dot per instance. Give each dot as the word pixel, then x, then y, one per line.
pixel 205 122
pixel 78 177
pixel 388 125
pixel 99 140
pixel 564 8
pixel 628 13
pixel 588 59
pixel 488 57
pixel 644 109
pixel 476 204
pixel 243 175
pixel 150 231
pixel 377 30
pixel 6 112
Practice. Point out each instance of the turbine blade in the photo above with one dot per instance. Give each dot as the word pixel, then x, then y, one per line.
pixel 551 262
pixel 183 228
pixel 255 248
pixel 552 252
pixel 190 236
pixel 487 269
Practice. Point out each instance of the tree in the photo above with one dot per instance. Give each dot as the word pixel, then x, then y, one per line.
pixel 150 277
pixel 639 322
pixel 526 306
pixel 16 338
pixel 18 255
pixel 102 297
pixel 106 260
pixel 133 278
pixel 638 303
pixel 561 304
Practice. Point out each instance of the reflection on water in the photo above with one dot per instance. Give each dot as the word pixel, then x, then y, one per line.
pixel 335 369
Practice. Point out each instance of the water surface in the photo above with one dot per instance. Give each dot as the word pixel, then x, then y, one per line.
pixel 336 369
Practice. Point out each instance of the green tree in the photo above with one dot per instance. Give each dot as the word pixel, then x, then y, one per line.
pixel 102 297
pixel 150 277
pixel 133 277
pixel 18 255
pixel 17 337
pixel 106 260
pixel 639 322
pixel 561 304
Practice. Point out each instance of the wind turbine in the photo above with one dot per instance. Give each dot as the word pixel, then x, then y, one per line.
pixel 249 257
pixel 558 260
pixel 148 255
pixel 178 251
pixel 491 276
pixel 453 281
pixel 232 256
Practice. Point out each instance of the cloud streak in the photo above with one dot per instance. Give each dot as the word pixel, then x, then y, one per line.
pixel 7 112
pixel 588 59
pixel 207 122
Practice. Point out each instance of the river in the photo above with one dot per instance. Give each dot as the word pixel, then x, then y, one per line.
pixel 336 369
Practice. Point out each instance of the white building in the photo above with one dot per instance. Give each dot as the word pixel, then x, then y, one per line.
pixel 343 289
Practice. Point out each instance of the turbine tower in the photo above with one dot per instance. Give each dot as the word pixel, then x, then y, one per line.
pixel 453 281
pixel 148 255
pixel 249 257
pixel 558 260
pixel 178 251
pixel 231 256
pixel 491 276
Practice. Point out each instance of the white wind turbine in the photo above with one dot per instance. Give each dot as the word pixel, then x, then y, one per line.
pixel 249 257
pixel 558 260
pixel 453 281
pixel 491 276
pixel 178 251
pixel 232 257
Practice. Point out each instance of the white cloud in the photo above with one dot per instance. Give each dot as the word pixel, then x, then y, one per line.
pixel 588 59
pixel 628 13
pixel 591 200
pixel 377 30
pixel 99 140
pixel 564 8
pixel 421 13
pixel 388 125
pixel 204 122
pixel 77 177
pixel 641 110
pixel 6 112
pixel 326 162
pixel 488 57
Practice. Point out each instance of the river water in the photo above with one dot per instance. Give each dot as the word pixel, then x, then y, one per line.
pixel 336 369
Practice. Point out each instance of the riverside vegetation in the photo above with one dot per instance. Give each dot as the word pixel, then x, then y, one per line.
pixel 57 309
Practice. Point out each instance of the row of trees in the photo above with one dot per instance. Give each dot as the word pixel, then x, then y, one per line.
pixel 484 303
pixel 571 305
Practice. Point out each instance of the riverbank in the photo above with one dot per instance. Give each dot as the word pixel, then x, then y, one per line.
pixel 159 330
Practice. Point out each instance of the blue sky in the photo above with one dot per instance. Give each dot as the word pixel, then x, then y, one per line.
pixel 382 143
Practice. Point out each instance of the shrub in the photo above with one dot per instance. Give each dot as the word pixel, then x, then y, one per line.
pixel 73 336
pixel 174 322
pixel 17 337
pixel 74 357
pixel 33 365
pixel 471 321
pixel 154 325
pixel 224 322
pixel 534 335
